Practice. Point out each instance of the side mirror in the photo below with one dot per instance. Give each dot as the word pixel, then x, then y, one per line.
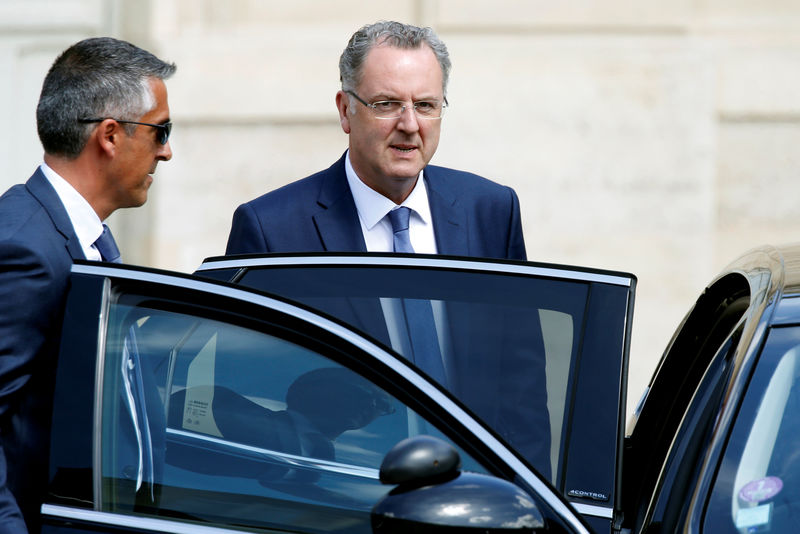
pixel 433 495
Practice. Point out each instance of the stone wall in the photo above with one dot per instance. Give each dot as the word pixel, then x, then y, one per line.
pixel 641 135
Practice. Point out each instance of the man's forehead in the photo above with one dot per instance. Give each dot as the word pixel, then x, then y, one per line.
pixel 386 47
pixel 160 103
pixel 387 64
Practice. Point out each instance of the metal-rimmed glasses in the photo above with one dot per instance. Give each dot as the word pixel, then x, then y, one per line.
pixel 162 130
pixel 393 109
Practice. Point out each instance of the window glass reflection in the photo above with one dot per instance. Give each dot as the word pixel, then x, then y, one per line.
pixel 509 344
pixel 209 421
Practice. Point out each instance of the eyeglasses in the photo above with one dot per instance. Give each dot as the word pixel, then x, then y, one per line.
pixel 162 135
pixel 393 109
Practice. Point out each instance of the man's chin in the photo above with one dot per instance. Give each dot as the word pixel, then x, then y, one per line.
pixel 405 171
pixel 136 201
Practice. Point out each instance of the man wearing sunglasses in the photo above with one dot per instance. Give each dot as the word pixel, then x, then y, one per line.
pixel 103 120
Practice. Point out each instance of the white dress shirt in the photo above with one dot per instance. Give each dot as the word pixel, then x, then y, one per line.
pixel 373 209
pixel 84 219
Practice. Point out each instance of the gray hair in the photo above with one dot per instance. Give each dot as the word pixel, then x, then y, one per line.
pixel 95 78
pixel 389 33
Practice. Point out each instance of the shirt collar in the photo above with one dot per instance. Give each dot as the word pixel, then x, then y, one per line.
pixel 84 219
pixel 372 207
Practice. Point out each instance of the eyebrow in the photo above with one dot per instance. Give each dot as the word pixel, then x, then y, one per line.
pixel 384 96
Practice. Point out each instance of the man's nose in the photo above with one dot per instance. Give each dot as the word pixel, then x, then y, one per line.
pixel 165 152
pixel 408 120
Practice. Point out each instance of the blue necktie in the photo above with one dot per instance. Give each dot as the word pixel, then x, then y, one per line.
pixel 107 246
pixel 418 312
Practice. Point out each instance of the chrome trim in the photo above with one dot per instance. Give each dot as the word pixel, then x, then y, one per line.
pixel 97 438
pixel 594 511
pixel 404 261
pixel 282 457
pixel 445 403
pixel 130 521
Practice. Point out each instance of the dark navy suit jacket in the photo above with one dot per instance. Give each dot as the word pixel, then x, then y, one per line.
pixel 37 247
pixel 472 216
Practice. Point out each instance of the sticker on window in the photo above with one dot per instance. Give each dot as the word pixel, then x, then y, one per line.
pixel 761 489
pixel 198 411
pixel 751 518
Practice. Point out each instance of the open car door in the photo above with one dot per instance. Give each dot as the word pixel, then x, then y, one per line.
pixel 188 405
pixel 539 352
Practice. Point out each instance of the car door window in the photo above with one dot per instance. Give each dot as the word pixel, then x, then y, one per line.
pixel 537 353
pixel 210 420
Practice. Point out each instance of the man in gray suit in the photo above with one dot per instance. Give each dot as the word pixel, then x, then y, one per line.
pixel 103 120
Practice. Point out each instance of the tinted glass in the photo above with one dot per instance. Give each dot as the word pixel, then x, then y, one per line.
pixel 758 486
pixel 211 421
pixel 519 351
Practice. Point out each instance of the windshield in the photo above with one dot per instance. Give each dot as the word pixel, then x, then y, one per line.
pixel 758 486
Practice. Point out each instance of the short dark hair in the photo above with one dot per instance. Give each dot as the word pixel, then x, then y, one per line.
pixel 389 33
pixel 97 77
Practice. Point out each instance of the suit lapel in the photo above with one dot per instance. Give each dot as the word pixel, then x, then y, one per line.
pixel 41 189
pixel 449 220
pixel 337 220
pixel 340 231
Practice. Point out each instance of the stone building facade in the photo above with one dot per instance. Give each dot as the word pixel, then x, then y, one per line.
pixel 652 137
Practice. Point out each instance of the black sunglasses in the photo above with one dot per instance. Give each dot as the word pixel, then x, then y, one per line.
pixel 163 130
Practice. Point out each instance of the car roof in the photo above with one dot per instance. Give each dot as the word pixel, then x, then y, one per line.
pixel 773 271
pixel 791 269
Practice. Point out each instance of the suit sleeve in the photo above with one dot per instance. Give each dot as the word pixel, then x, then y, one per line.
pixel 32 293
pixel 516 241
pixel 247 236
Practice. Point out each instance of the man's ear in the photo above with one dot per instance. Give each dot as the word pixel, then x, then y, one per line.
pixel 343 104
pixel 108 135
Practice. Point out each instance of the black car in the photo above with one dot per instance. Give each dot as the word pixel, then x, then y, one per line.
pixel 271 394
